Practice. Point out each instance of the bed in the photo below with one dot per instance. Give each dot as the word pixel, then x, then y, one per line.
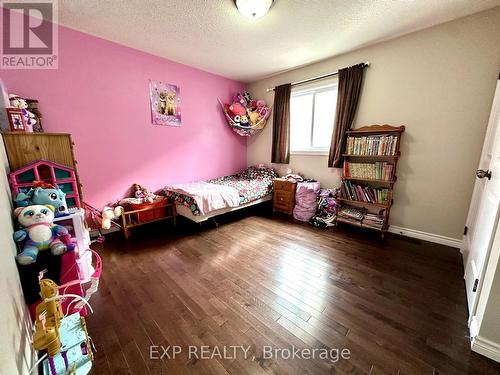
pixel 202 200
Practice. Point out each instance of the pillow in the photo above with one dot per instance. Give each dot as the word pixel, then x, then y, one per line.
pixel 260 171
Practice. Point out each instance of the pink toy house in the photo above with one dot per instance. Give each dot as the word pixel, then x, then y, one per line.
pixel 21 180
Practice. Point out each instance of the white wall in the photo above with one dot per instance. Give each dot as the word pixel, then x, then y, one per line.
pixel 16 356
pixel 439 82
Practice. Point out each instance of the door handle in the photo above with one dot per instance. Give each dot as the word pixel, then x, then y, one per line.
pixel 480 173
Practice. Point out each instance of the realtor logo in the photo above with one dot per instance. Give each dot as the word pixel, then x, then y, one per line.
pixel 29 35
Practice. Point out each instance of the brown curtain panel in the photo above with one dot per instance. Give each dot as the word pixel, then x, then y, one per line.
pixel 281 124
pixel 350 81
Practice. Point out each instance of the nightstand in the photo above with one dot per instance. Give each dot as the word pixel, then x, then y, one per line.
pixel 284 195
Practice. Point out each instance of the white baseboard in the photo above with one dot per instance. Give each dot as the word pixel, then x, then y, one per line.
pixel 486 347
pixel 431 237
pixel 473 328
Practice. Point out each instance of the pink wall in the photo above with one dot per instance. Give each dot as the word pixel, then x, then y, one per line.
pixel 100 95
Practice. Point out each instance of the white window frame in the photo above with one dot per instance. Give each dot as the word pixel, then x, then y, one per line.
pixel 315 87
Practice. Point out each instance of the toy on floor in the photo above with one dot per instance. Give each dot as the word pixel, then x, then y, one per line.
pixel 305 200
pixel 328 205
pixel 44 193
pixel 48 319
pixel 76 306
pixel 94 219
pixel 108 214
pixel 39 233
pixel 65 338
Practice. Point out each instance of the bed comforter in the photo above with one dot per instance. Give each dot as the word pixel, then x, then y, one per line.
pixel 251 184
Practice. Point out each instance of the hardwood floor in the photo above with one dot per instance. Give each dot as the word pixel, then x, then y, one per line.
pixel 398 306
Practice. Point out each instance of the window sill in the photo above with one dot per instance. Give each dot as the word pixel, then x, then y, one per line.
pixel 310 153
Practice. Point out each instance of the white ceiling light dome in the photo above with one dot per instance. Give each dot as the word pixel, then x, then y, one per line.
pixel 253 9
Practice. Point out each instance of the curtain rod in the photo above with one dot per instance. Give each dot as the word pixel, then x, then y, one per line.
pixel 366 64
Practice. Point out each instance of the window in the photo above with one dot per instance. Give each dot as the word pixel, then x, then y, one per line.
pixel 312 113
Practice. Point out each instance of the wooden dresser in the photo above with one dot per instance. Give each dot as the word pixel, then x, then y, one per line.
pixel 24 148
pixel 284 195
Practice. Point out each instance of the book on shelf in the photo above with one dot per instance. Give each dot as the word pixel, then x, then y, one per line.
pixel 377 145
pixel 351 213
pixel 373 220
pixel 371 171
pixel 355 192
pixel 361 217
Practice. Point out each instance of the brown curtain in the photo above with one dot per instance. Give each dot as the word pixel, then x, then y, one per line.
pixel 350 81
pixel 281 124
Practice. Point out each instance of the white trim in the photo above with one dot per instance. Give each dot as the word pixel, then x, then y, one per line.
pixel 486 347
pixel 310 152
pixel 473 328
pixel 431 237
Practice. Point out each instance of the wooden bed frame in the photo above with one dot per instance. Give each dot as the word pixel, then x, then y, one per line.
pixel 187 213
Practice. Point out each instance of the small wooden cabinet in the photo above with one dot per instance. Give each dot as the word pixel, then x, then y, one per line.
pixel 25 148
pixel 284 195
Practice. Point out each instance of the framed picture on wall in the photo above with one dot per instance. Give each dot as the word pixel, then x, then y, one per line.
pixel 16 120
pixel 165 104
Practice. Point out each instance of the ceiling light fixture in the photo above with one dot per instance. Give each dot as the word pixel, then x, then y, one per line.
pixel 253 9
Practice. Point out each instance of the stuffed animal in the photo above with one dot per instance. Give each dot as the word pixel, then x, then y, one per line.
pixel 39 232
pixel 228 110
pixel 43 193
pixel 260 103
pixel 263 111
pixel 237 109
pixel 254 117
pixel 240 99
pixel 247 97
pixel 33 108
pixel 142 193
pixel 108 214
pixel 29 118
pixel 244 120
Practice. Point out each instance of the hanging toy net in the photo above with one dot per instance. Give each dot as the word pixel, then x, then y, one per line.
pixel 245 115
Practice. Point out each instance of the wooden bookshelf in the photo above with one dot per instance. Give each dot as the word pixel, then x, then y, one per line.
pixel 371 180
pixel 371 156
pixel 353 202
pixel 363 152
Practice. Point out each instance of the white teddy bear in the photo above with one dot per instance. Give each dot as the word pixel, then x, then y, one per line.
pixel 108 214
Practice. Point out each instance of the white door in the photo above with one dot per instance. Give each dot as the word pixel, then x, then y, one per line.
pixel 484 210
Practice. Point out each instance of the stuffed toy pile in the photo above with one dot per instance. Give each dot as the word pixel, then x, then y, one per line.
pixel 39 233
pixel 29 117
pixel 44 193
pixel 247 115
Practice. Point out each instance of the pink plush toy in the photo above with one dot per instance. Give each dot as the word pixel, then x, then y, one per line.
pixel 238 109
pixel 228 110
pixel 263 111
pixel 240 98
pixel 260 103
